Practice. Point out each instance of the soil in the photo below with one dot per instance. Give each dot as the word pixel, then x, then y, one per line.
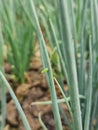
pixel 34 89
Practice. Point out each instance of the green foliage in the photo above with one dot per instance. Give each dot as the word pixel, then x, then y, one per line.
pixel 71 27
pixel 46 64
pixel 19 37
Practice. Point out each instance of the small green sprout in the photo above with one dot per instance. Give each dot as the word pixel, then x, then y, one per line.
pixel 44 70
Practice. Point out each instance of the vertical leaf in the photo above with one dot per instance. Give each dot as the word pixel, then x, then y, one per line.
pixel 2 89
pixel 89 93
pixel 71 65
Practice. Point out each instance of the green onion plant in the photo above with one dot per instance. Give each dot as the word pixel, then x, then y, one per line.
pixel 71 27
pixel 19 36
pixel 5 85
pixel 74 35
